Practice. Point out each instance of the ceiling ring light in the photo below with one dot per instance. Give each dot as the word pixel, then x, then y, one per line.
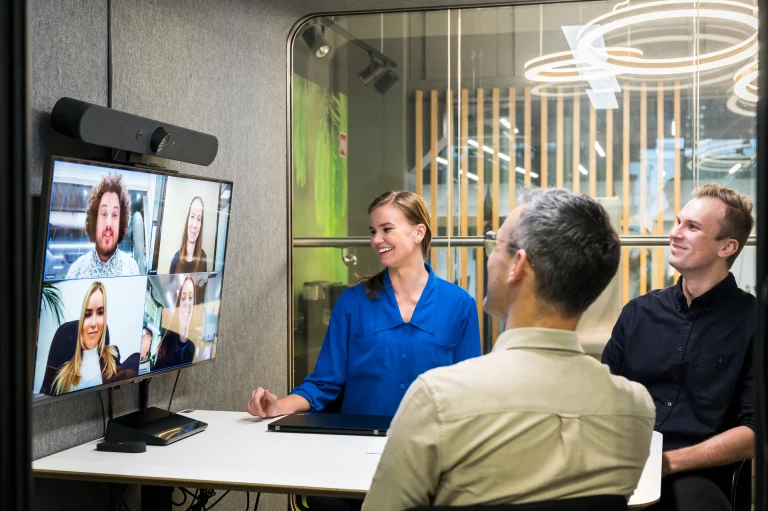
pixel 567 67
pixel 722 156
pixel 745 83
pixel 545 63
pixel 720 10
pixel 734 105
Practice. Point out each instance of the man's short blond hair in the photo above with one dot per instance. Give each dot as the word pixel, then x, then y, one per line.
pixel 737 222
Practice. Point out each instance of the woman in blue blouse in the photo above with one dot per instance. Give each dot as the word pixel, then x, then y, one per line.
pixel 388 329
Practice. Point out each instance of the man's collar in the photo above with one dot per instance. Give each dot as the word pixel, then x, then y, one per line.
pixel 97 260
pixel 423 315
pixel 539 338
pixel 722 291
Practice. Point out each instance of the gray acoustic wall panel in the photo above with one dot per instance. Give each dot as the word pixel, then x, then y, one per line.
pixel 218 66
pixel 68 47
pixel 202 65
pixel 68 55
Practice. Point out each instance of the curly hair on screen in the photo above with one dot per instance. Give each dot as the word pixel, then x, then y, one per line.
pixel 113 183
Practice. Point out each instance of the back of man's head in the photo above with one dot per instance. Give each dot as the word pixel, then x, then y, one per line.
pixel 570 241
pixel 737 222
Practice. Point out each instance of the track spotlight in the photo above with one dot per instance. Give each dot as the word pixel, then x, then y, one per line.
pixel 379 74
pixel 314 36
pixel 375 70
pixel 386 81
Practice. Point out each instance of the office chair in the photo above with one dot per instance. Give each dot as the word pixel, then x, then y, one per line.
pixel 592 503
pixel 741 486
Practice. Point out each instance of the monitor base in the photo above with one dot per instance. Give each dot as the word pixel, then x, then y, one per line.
pixel 152 425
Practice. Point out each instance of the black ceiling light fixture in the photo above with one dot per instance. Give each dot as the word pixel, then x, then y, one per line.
pixel 386 81
pixel 374 71
pixel 380 71
pixel 379 74
pixel 314 37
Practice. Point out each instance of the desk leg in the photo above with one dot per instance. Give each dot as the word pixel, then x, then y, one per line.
pixel 156 498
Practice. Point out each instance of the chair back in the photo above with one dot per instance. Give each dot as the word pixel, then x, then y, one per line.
pixel 592 503
pixel 741 486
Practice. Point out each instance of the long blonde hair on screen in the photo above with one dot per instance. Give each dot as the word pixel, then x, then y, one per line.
pixel 69 374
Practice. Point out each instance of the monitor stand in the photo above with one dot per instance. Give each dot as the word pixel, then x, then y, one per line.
pixel 152 425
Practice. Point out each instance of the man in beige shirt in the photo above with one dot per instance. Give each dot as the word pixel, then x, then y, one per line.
pixel 536 419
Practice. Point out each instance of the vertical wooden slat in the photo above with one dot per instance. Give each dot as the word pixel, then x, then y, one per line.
pixel 495 172
pixel 676 151
pixel 576 141
pixel 625 197
pixel 609 153
pixel 660 183
pixel 464 192
pixel 528 138
pixel 592 151
pixel 544 155
pixel 559 139
pixel 433 104
pixel 419 149
pixel 512 149
pixel 449 181
pixel 480 220
pixel 643 184
pixel 495 159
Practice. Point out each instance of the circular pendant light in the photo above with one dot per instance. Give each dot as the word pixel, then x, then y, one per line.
pixel 566 67
pixel 721 10
pixel 745 83
pixel 723 156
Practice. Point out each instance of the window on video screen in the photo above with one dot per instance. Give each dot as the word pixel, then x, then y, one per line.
pixel 132 275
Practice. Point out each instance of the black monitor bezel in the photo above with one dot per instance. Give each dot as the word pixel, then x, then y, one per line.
pixel 39 263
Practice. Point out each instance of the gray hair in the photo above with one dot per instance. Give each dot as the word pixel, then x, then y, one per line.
pixel 570 242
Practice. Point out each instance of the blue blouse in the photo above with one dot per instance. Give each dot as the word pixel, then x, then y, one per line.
pixel 372 355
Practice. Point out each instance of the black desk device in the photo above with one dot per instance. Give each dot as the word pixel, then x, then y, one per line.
pixel 133 446
pixel 154 426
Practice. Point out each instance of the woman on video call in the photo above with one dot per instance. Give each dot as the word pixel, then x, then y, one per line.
pixel 191 257
pixel 389 328
pixel 176 346
pixel 92 361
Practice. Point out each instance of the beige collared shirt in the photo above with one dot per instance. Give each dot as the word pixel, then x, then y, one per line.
pixel 534 420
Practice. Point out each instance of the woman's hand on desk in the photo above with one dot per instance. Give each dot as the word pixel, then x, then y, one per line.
pixel 263 403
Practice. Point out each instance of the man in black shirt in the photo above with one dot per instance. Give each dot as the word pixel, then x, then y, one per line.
pixel 691 346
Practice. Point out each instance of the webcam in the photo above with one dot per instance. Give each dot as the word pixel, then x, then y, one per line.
pixel 98 125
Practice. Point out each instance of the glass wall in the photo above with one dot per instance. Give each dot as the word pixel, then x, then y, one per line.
pixel 633 103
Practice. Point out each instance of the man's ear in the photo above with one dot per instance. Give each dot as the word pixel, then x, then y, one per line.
pixel 731 247
pixel 517 267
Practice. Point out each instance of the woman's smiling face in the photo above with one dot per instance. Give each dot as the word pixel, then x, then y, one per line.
pixel 93 320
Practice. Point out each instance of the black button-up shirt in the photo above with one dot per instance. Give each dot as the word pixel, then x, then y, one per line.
pixel 696 362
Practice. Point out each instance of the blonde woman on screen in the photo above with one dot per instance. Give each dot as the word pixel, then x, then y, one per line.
pixel 191 258
pixel 94 361
pixel 176 346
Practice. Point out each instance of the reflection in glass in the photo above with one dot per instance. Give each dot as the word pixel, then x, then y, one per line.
pixel 634 104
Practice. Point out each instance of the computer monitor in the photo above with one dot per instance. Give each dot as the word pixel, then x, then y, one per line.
pixel 131 270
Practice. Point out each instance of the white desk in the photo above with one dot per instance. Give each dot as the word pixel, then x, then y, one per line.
pixel 237 452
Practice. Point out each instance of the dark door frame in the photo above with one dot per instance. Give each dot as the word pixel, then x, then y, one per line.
pixel 15 261
pixel 761 442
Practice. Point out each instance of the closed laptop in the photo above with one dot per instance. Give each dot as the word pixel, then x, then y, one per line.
pixel 333 424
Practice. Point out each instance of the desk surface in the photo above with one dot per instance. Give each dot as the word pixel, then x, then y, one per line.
pixel 237 452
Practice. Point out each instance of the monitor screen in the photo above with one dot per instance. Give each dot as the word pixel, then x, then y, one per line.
pixel 132 269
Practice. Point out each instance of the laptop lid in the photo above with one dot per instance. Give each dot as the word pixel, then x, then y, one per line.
pixel 333 423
